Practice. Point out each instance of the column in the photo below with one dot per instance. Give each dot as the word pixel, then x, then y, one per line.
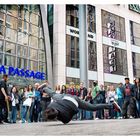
pixel 59 44
pixel 99 44
pixel 83 44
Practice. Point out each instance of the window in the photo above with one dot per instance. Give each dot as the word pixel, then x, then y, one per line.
pixel 10 48
pixel 11 34
pixel 33 41
pixel 1 58
pixel 136 64
pixel 33 54
pixel 42 67
pixel 1 45
pixel 23 26
pixel 9 60
pixel 23 12
pixel 2 8
pixel 72 15
pixel 75 80
pixel 42 56
pixel 113 26
pixel 2 19
pixel 135 33
pixel 91 18
pixel 34 30
pixel 2 31
pixel 92 56
pixel 12 10
pixel 33 65
pixel 11 22
pixel 115 60
pixel 72 51
pixel 41 44
pixel 34 18
pixel 21 63
pixel 34 9
pixel 22 38
pixel 22 51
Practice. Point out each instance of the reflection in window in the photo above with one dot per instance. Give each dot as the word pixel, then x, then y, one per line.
pixel 2 31
pixel 23 12
pixel 34 30
pixel 92 56
pixel 23 26
pixel 13 10
pixel 34 18
pixel 33 54
pixel 3 8
pixel 136 64
pixel 91 18
pixel 1 58
pixel 41 44
pixel 22 38
pixel 21 63
pixel 22 51
pixel 33 65
pixel 42 56
pixel 9 60
pixel 115 60
pixel 11 22
pixel 135 33
pixel 33 41
pixel 10 48
pixel 72 51
pixel 75 80
pixel 113 26
pixel 2 19
pixel 42 67
pixel 11 34
pixel 72 15
pixel 1 45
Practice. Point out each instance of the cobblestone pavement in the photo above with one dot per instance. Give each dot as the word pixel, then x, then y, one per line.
pixel 89 127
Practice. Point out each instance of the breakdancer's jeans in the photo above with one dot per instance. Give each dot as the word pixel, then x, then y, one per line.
pixel 81 103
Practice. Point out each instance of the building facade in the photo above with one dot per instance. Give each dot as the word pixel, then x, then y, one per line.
pixel 45 38
pixel 113 43
pixel 23 41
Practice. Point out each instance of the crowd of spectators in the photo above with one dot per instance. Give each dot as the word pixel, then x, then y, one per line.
pixel 30 104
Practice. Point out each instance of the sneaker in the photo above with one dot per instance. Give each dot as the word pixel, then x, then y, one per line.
pixel 131 117
pixel 116 107
pixel 1 122
pixel 7 121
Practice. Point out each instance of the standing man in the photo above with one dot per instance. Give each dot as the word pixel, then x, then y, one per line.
pixel 4 100
pixel 82 95
pixel 128 93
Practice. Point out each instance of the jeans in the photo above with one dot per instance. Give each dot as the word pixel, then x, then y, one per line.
pixel 24 113
pixel 13 116
pixel 120 103
pixel 89 115
pixel 3 111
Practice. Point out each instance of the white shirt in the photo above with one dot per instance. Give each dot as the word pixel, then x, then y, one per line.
pixel 13 100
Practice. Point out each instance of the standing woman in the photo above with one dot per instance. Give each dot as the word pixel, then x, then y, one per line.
pixel 57 89
pixel 63 89
pixel 31 97
pixel 137 95
pixel 14 101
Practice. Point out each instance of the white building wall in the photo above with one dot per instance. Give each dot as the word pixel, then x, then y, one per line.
pixel 60 69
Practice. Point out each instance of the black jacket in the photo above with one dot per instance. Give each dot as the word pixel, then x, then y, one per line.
pixel 66 110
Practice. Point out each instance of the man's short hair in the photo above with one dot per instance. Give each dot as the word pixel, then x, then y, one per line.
pixel 5 76
pixel 126 78
pixel 51 114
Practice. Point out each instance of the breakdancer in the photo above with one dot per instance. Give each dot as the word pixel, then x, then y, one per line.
pixel 65 106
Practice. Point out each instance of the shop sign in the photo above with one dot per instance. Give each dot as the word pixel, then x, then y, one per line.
pixel 11 71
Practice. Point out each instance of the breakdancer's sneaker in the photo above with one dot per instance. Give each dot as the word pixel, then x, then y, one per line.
pixel 116 107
